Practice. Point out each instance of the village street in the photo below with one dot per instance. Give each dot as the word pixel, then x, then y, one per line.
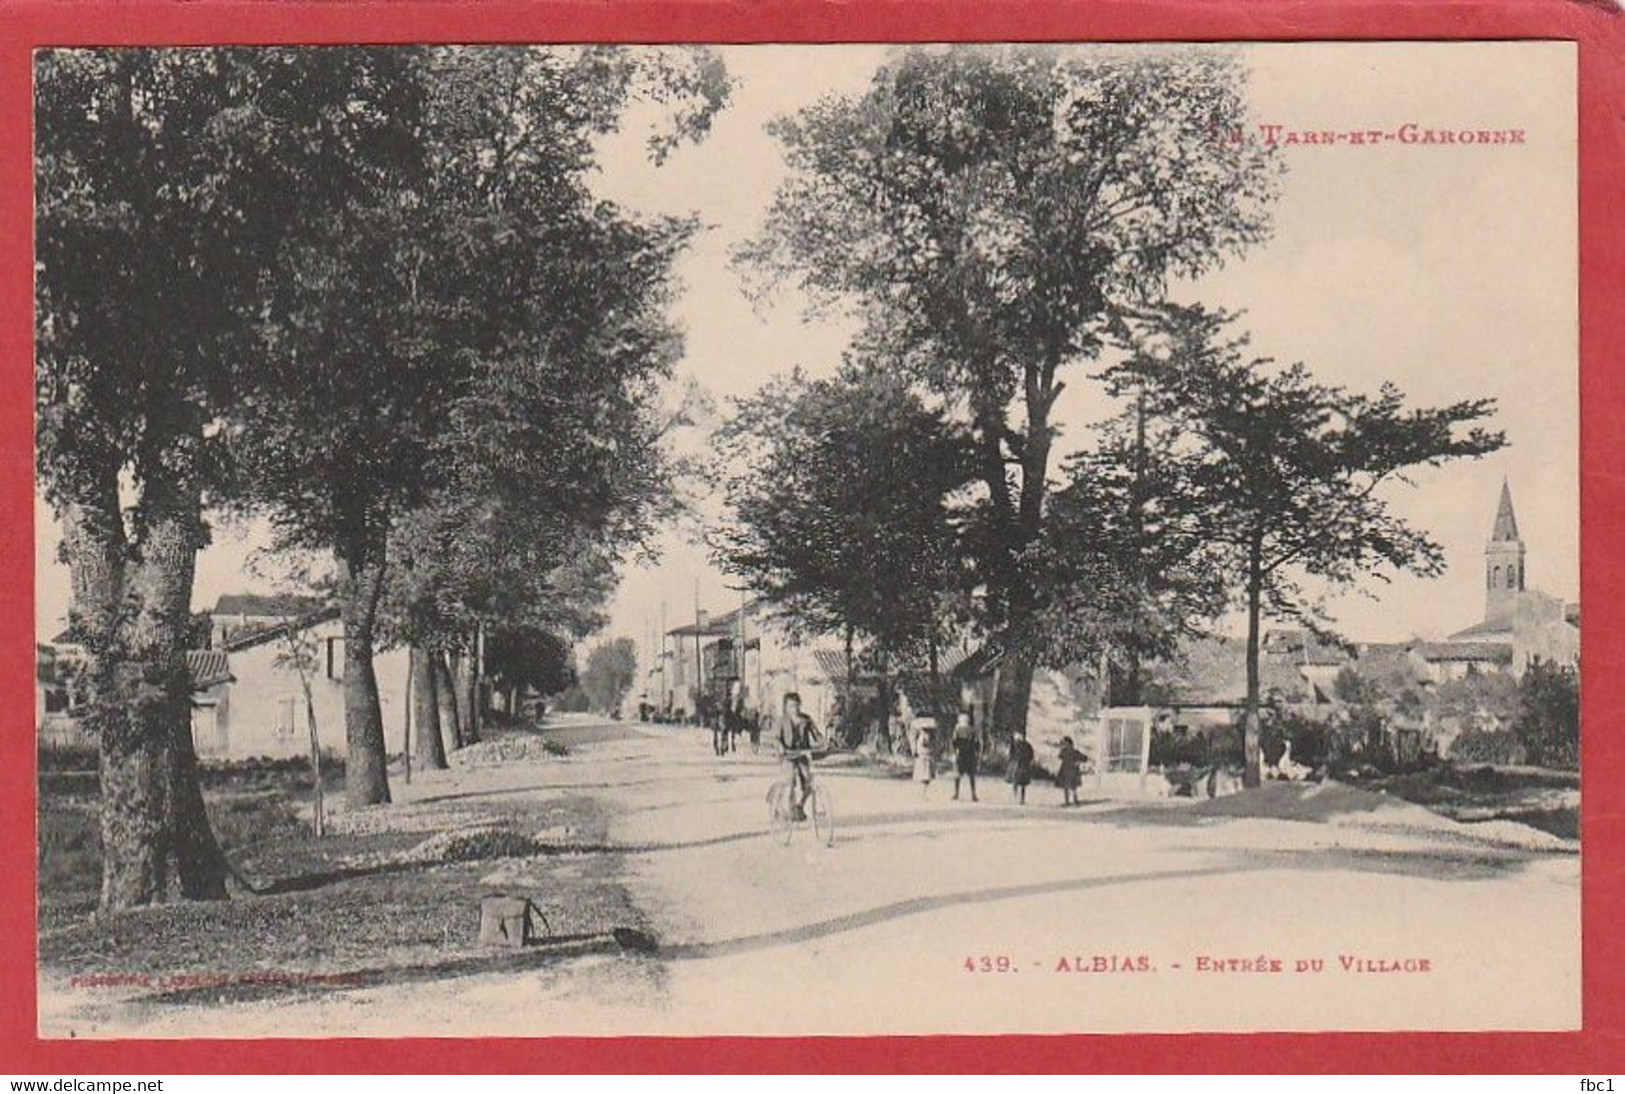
pixel 892 928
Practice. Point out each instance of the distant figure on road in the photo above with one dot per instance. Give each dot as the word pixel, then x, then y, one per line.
pixel 1021 765
pixel 768 723
pixel 1070 775
pixel 753 726
pixel 797 738
pixel 925 728
pixel 717 720
pixel 967 752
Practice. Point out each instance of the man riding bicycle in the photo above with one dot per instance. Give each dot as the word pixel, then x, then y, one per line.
pixel 798 738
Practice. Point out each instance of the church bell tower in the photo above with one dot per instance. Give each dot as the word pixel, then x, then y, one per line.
pixel 1503 560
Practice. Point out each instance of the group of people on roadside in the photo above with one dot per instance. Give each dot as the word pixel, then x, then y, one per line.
pixel 797 737
pixel 966 746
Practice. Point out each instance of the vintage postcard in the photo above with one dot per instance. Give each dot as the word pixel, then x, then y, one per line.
pixel 807 539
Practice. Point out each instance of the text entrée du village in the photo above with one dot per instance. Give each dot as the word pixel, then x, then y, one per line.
pixel 1204 964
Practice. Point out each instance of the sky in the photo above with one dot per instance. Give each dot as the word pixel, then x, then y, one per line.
pixel 1450 270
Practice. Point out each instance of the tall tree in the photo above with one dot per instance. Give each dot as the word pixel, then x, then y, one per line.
pixel 1290 472
pixel 612 668
pixel 987 212
pixel 164 179
pixel 528 658
pixel 1125 572
pixel 845 498
pixel 474 261
pixel 1548 713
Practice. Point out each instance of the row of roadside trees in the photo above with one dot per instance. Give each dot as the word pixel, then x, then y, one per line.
pixel 367 296
pixel 1001 222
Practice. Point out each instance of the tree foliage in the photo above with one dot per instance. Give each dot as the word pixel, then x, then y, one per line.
pixel 522 658
pixel 844 496
pixel 1548 713
pixel 611 670
pixel 464 352
pixel 165 179
pixel 1288 473
pixel 1126 575
pixel 988 213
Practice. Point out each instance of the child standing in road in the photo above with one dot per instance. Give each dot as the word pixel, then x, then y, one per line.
pixel 1070 775
pixel 1021 766
pixel 967 751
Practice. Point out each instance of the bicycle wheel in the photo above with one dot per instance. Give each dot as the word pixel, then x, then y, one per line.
pixel 778 806
pixel 823 817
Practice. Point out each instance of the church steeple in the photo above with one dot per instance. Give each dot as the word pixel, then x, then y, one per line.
pixel 1506 521
pixel 1503 560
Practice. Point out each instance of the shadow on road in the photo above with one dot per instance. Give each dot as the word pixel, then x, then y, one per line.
pixel 870 917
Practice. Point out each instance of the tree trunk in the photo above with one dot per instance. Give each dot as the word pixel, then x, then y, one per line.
pixel 1019 608
pixel 1252 772
pixel 854 726
pixel 463 683
pixel 446 699
pixel 480 698
pixel 318 803
pixel 360 581
pixel 430 746
pixel 156 840
pixel 1013 696
pixel 1126 684
pixel 1125 687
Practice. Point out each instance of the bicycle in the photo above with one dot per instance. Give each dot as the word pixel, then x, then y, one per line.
pixel 816 808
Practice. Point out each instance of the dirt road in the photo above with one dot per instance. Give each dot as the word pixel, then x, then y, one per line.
pixel 1298 909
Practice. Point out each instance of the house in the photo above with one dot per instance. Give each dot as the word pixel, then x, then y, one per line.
pixel 1457 659
pixel 58 710
pixel 238 614
pixel 58 666
pixel 747 653
pixel 250 700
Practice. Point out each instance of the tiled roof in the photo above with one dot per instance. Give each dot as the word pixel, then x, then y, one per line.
pixel 923 698
pixel 1489 626
pixel 1303 647
pixel 979 662
pixel 832 664
pixel 1213 672
pixel 258 636
pixel 1500 652
pixel 268 607
pixel 208 668
pixel 713 629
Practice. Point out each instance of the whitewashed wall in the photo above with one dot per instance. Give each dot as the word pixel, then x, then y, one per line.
pixel 262 712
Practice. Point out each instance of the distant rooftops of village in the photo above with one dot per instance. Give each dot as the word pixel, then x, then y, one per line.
pixel 1520 625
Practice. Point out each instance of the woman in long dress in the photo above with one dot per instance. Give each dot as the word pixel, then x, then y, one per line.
pixel 924 727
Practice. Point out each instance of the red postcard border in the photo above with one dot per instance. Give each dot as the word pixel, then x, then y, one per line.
pixel 1596 25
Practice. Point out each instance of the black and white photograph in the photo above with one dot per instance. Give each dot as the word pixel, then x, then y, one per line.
pixel 542 540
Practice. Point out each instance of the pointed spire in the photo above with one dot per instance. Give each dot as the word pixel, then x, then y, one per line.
pixel 1506 522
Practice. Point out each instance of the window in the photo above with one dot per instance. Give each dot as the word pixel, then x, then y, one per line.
pixel 1123 739
pixel 1512 577
pixel 335 658
pixel 1495 581
pixel 284 717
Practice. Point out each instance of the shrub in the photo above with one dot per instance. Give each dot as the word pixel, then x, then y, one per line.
pixel 1170 749
pixel 1496 746
pixel 1548 714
